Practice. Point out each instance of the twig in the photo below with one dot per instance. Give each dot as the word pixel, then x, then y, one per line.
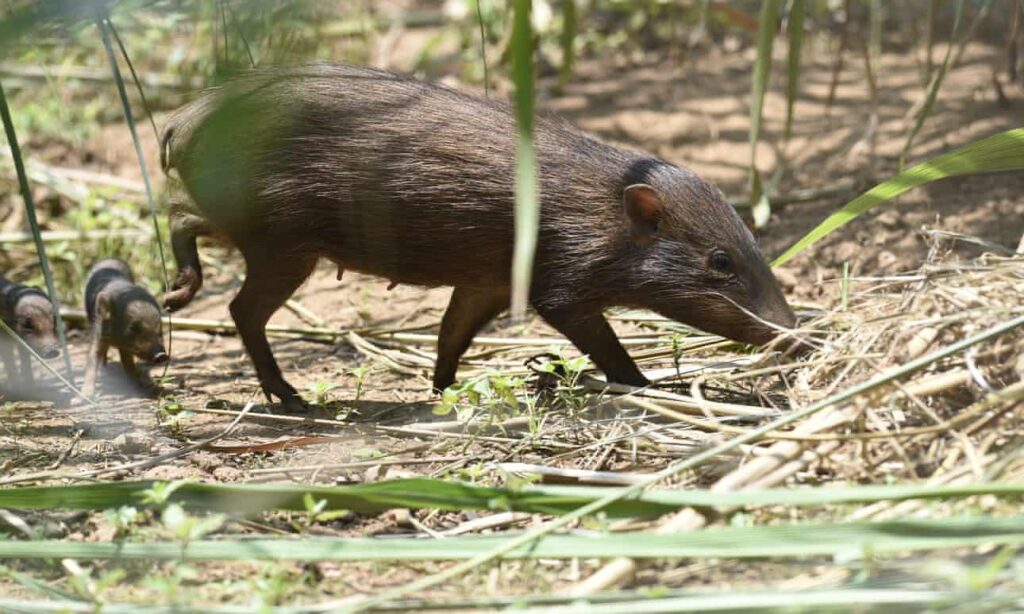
pixel 67 450
pixel 53 236
pixel 354 465
pixel 494 521
pixel 399 430
pixel 83 73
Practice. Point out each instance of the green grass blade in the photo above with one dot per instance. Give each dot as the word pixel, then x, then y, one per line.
pixel 1000 152
pixel 135 79
pixel 126 107
pixel 483 46
pixel 241 35
pixel 367 498
pixel 103 23
pixel 778 541
pixel 527 206
pixel 570 25
pixel 795 32
pixel 933 87
pixel 33 221
pixel 768 24
pixel 841 599
pixel 425 493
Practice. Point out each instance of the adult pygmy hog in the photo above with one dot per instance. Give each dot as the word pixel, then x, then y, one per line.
pixel 124 315
pixel 413 182
pixel 29 313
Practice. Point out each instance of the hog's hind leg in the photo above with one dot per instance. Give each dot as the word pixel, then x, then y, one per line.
pixel 270 280
pixel 468 311
pixel 185 228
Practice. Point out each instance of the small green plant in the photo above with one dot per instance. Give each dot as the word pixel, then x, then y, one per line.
pixel 271 586
pixel 184 527
pixel 124 519
pixel 315 510
pixel 172 586
pixel 320 390
pixel 568 371
pixel 360 374
pixel 88 586
pixel 173 415
pixel 160 494
pixel 493 392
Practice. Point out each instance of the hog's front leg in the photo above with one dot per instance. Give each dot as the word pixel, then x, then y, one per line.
pixel 590 332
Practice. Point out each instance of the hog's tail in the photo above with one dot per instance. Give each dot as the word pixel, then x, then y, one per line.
pixel 165 144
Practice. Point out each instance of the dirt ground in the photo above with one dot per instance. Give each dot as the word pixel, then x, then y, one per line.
pixel 693 113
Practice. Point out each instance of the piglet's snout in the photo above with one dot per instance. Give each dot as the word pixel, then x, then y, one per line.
pixel 158 357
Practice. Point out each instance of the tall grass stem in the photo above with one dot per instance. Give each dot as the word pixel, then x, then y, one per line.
pixel 33 221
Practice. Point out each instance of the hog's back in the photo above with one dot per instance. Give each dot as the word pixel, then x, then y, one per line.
pixel 382 174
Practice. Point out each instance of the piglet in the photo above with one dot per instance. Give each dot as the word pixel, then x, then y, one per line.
pixel 29 313
pixel 124 315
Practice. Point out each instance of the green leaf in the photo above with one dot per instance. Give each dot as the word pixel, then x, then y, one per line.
pixel 33 221
pixel 769 23
pixel 799 540
pixel 795 31
pixel 568 40
pixel 426 493
pixel 648 599
pixel 527 206
pixel 1000 152
pixel 936 83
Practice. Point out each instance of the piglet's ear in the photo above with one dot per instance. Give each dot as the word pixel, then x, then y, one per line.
pixel 644 209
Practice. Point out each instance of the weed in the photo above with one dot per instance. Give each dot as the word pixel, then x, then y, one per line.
pixel 185 527
pixel 500 396
pixel 320 390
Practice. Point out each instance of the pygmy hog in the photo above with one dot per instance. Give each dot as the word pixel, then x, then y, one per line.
pixel 413 182
pixel 124 315
pixel 29 313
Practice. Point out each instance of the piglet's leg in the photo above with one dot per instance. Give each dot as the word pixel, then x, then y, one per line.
pixel 590 332
pixel 97 355
pixel 27 377
pixel 7 356
pixel 468 312
pixel 133 371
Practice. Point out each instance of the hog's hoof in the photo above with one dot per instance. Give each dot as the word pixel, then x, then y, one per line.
pixel 77 401
pixel 150 390
pixel 636 379
pixel 176 299
pixel 289 399
pixel 294 405
pixel 441 382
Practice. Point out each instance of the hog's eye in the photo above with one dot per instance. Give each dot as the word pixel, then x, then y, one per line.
pixel 720 261
pixel 27 326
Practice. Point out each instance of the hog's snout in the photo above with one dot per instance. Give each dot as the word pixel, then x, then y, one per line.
pixel 47 347
pixel 158 357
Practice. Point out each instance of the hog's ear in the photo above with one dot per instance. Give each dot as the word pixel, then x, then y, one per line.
pixel 103 305
pixel 644 209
